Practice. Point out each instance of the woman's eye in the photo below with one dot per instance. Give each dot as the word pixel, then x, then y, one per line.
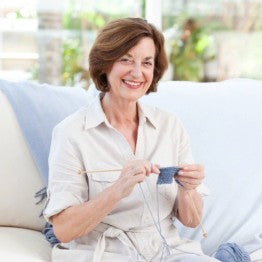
pixel 125 60
pixel 148 63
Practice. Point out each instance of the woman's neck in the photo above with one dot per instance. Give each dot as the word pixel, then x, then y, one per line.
pixel 119 112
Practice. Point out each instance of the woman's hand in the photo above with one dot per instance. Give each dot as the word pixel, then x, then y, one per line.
pixel 134 172
pixel 190 176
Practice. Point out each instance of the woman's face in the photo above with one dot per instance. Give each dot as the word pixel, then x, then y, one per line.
pixel 132 74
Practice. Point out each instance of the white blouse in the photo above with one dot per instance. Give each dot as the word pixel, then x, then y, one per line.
pixel 86 141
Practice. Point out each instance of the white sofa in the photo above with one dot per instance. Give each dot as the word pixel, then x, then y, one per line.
pixel 224 121
pixel 20 225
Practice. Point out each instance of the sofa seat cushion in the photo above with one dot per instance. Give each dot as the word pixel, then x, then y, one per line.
pixel 256 256
pixel 23 245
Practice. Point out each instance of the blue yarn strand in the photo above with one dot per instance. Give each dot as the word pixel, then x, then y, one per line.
pixel 157 225
pixel 166 176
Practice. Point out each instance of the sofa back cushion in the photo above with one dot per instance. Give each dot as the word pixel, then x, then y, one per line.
pixel 19 176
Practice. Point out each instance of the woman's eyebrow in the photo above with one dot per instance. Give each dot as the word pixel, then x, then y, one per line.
pixel 146 58
pixel 149 58
pixel 129 55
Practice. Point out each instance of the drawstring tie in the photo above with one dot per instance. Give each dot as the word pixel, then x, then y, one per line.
pixel 111 232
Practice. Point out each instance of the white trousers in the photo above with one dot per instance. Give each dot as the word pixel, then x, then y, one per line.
pixel 191 258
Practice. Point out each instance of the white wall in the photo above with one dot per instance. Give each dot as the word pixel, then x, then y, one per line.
pixel 154 12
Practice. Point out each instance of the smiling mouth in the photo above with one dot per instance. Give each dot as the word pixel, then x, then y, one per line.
pixel 132 84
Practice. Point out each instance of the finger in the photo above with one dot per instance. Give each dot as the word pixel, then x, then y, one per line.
pixel 195 182
pixel 147 167
pixel 134 163
pixel 138 170
pixel 192 167
pixel 191 174
pixel 133 170
pixel 186 186
pixel 155 168
pixel 139 178
pixel 140 166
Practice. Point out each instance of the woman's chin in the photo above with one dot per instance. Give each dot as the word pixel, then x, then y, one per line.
pixel 132 96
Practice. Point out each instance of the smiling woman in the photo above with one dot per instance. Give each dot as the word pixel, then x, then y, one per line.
pixel 105 215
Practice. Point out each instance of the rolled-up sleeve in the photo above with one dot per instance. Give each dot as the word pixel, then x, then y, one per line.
pixel 65 186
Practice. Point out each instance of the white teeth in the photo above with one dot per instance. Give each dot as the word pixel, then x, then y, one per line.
pixel 132 83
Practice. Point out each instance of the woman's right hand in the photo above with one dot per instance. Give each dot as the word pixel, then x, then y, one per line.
pixel 132 173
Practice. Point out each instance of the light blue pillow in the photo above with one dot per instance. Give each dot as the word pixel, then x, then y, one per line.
pixel 38 108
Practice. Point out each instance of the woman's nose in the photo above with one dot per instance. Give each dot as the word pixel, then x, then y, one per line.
pixel 136 71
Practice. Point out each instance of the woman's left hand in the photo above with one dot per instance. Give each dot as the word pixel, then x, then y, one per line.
pixel 190 176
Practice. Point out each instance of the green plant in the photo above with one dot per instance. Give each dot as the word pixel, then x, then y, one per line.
pixel 73 71
pixel 143 8
pixel 81 23
pixel 73 20
pixel 189 52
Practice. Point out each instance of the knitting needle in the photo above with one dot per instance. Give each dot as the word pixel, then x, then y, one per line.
pixel 81 172
pixel 204 233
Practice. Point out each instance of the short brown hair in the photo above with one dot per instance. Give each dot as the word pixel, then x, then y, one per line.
pixel 115 40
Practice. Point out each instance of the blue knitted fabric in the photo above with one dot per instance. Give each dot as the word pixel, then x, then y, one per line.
pixel 231 252
pixel 167 174
pixel 49 234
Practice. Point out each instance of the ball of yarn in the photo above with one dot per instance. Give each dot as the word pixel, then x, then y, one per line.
pixel 232 252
